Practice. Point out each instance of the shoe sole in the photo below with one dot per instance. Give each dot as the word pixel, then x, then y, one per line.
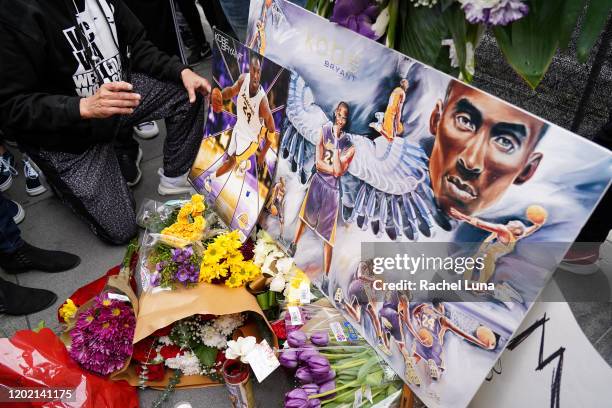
pixel 146 135
pixel 161 190
pixel 20 215
pixel 7 184
pixel 36 191
pixel 139 176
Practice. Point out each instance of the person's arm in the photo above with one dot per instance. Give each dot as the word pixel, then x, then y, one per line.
pixel 478 223
pixel 531 230
pixel 231 91
pixel 345 160
pixel 266 114
pixel 22 105
pixel 321 165
pixel 400 106
pixel 449 325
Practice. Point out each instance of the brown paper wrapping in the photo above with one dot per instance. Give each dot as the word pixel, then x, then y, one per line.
pixel 158 310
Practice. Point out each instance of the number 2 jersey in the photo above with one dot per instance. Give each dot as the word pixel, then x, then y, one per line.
pixel 248 123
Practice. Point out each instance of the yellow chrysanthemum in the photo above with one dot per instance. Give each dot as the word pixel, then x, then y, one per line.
pixel 68 310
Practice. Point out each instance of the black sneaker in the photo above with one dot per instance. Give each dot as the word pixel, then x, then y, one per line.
pixel 16 211
pixel 33 185
pixel 130 167
pixel 7 170
pixel 20 300
pixel 28 257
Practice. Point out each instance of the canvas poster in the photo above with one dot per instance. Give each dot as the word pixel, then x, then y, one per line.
pixel 237 159
pixel 383 153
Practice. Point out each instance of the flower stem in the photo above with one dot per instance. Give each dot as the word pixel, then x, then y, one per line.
pixel 326 393
pixel 349 365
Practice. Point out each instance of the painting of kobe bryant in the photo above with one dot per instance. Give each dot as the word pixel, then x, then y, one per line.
pixel 238 156
pixel 378 147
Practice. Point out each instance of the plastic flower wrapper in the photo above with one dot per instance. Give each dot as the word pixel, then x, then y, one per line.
pixel 239 349
pixel 52 367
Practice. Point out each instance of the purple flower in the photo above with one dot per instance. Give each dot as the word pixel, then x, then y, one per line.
pixel 160 265
pixel 318 365
pixel 303 375
pixel 155 279
pixel 102 336
pixel 296 398
pixel 288 359
pixel 296 339
pixel 305 355
pixel 494 13
pixel 319 338
pixel 314 403
pixel 311 389
pixel 356 15
pixel 328 386
pixel 323 378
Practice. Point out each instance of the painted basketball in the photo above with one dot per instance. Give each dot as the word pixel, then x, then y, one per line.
pixel 216 100
pixel 268 3
pixel 536 214
pixel 486 335
pixel 425 337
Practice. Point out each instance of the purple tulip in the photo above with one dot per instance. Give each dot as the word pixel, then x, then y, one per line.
pixel 288 359
pixel 323 378
pixel 296 339
pixel 314 403
pixel 328 386
pixel 311 389
pixel 306 355
pixel 319 338
pixel 296 398
pixel 303 375
pixel 319 366
pixel 356 15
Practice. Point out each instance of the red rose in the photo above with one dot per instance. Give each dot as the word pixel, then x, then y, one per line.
pixel 279 329
pixel 155 372
pixel 169 351
pixel 219 360
pixel 164 331
pixel 144 351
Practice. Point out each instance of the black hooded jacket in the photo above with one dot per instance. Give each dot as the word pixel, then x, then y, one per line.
pixel 46 66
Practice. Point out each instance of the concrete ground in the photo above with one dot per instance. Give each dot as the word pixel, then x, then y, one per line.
pixel 51 225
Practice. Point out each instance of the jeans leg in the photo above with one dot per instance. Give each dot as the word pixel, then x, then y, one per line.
pixel 10 237
pixel 237 13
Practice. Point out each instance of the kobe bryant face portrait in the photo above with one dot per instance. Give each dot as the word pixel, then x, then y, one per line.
pixel 482 146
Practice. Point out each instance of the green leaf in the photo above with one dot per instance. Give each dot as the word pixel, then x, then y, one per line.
pixel 446 4
pixel 420 32
pixel 462 33
pixel 530 43
pixel 206 355
pixel 39 327
pixel 571 11
pixel 596 16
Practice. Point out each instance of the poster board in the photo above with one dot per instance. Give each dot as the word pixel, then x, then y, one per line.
pixel 236 163
pixel 426 160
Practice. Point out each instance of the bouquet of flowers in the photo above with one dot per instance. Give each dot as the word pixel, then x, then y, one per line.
pixel 193 345
pixel 224 262
pixel 102 335
pixel 99 330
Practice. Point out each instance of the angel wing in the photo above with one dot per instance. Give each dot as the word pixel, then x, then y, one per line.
pixel 387 185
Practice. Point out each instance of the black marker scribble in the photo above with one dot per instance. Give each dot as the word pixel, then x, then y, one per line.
pixel 555 391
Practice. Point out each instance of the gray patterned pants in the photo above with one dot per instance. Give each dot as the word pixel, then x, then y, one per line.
pixel 91 184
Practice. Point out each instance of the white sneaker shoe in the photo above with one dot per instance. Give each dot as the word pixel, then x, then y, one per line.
pixel 173 185
pixel 146 130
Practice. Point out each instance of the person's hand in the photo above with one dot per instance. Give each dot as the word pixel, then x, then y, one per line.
pixel 113 98
pixel 193 82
